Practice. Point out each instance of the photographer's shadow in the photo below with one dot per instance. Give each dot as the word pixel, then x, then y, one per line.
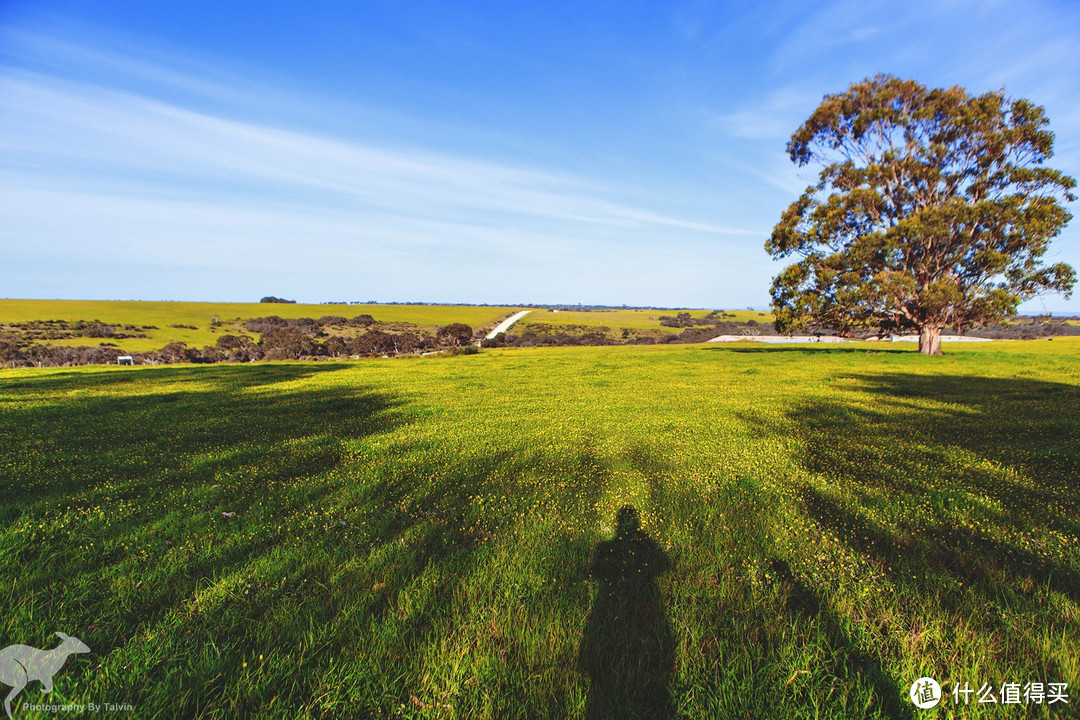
pixel 627 648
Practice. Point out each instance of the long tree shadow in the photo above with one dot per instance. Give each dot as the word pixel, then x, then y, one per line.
pixel 851 661
pixel 84 434
pixel 952 439
pixel 229 516
pixel 233 376
pixel 627 647
pixel 955 487
pixel 130 494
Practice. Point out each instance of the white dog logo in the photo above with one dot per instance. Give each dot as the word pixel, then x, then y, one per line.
pixel 19 664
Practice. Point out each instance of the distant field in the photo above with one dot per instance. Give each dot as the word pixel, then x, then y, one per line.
pixel 635 319
pixel 165 314
pixel 455 537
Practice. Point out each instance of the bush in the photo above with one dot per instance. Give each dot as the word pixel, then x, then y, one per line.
pixel 235 348
pixel 596 338
pixel 175 353
pixel 232 342
pixel 99 330
pixel 264 324
pixel 682 319
pixel 454 335
pixel 336 347
pixel 212 354
pixel 697 334
pixel 9 351
pixel 309 326
pixel 373 342
pixel 410 342
pixel 286 343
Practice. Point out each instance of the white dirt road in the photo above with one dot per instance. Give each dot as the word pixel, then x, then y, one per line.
pixel 505 324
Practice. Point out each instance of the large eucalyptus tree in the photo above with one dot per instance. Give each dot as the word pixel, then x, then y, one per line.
pixel 933 209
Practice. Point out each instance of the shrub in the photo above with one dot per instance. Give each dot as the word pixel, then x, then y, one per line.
pixel 264 324
pixel 682 319
pixel 373 342
pixel 176 352
pixel 336 347
pixel 236 348
pixel 286 343
pixel 454 335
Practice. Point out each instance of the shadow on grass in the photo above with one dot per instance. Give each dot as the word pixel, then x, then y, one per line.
pixel 173 427
pixel 186 503
pixel 851 661
pixel 234 376
pixel 198 518
pixel 627 649
pixel 954 486
pixel 953 439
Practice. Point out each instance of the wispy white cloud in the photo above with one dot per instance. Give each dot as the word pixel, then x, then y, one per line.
pixel 59 126
pixel 134 155
pixel 123 181
pixel 149 67
pixel 832 27
pixel 774 117
pixel 147 246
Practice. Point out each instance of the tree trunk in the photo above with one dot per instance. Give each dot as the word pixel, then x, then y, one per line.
pixel 930 340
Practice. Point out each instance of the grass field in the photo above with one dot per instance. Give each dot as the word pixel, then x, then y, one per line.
pixel 459 537
pixel 164 315
pixel 635 319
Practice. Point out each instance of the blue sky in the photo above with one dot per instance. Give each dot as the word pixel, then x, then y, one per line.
pixel 594 152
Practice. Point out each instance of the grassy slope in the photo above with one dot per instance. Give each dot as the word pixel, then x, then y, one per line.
pixel 637 319
pixel 419 537
pixel 164 314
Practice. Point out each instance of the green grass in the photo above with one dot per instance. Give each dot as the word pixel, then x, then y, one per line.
pixel 164 314
pixel 634 319
pixel 436 538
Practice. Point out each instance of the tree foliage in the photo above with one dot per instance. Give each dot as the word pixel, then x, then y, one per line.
pixel 454 335
pixel 933 209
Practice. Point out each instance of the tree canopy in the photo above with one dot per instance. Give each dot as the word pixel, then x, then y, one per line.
pixel 933 209
pixel 454 335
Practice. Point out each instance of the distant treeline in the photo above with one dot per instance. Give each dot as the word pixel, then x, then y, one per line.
pixel 335 336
